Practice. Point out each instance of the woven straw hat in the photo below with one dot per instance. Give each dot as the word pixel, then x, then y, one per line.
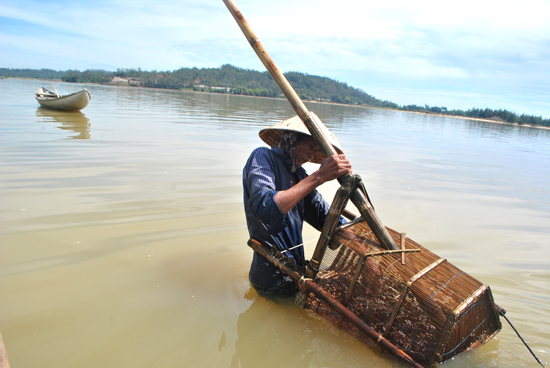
pixel 273 134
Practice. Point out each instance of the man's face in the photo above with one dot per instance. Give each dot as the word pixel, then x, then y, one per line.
pixel 305 150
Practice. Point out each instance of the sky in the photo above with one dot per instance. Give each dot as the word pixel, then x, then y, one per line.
pixel 454 54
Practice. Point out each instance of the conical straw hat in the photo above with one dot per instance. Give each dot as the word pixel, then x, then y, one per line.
pixel 273 134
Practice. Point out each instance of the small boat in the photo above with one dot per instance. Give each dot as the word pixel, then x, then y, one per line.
pixel 73 102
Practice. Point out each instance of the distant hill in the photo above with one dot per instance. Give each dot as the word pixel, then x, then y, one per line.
pixel 32 73
pixel 234 80
pixel 230 79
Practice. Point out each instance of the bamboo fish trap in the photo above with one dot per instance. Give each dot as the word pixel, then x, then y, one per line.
pixel 421 303
pixel 416 305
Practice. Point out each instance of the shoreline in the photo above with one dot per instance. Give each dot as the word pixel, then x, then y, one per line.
pixel 368 107
pixel 120 81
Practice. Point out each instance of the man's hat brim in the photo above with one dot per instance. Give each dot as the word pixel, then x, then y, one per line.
pixel 273 134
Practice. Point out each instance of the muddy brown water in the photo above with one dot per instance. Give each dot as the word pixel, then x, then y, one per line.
pixel 123 238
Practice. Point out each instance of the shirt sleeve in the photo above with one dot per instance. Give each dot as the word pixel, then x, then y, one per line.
pixel 260 180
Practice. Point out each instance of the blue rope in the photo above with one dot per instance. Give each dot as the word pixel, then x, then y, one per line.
pixel 427 304
pixel 462 316
pixel 466 338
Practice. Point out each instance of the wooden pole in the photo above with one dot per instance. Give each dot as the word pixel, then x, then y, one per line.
pixel 57 94
pixel 336 305
pixel 3 356
pixel 357 197
pixel 403 242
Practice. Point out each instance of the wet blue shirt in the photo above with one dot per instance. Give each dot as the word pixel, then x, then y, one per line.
pixel 267 172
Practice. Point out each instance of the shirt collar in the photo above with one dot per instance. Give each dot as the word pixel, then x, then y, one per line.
pixel 287 162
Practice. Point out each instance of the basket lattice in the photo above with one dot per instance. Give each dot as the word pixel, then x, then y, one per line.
pixel 427 307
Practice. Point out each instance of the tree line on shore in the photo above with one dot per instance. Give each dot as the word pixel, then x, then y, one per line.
pixel 234 80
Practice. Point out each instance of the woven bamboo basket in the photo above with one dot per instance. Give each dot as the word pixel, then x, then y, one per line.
pixel 418 301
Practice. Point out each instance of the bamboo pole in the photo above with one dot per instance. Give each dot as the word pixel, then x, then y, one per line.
pixel 336 305
pixel 403 242
pixel 55 89
pixel 357 197
pixel 3 356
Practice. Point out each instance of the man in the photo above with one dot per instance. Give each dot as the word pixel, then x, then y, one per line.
pixel 279 196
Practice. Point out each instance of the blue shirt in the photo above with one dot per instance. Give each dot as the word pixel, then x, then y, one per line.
pixel 267 172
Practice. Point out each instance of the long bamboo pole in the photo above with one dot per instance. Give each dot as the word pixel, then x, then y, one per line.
pixel 357 197
pixel 336 305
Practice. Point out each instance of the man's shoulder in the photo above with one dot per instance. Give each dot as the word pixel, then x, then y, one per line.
pixel 265 156
pixel 260 154
pixel 268 153
pixel 261 151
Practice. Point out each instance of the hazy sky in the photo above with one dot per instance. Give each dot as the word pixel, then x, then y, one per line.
pixel 457 54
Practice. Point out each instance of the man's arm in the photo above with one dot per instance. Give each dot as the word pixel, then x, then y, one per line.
pixel 331 168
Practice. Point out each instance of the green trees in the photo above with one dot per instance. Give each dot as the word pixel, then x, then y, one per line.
pixel 87 76
pixel 32 73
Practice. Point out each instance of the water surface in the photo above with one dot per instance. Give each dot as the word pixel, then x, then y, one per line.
pixel 123 237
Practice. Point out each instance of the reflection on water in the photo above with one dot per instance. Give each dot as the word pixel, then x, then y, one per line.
pixel 74 121
pixel 129 249
pixel 274 332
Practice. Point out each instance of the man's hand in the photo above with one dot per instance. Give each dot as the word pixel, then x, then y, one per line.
pixel 333 167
